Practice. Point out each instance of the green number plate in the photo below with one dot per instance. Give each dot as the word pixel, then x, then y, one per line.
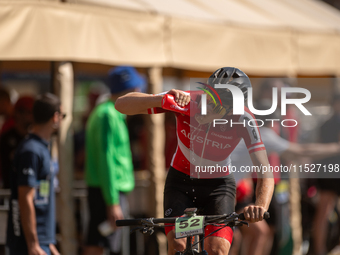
pixel 188 226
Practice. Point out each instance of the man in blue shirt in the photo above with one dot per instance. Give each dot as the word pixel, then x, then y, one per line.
pixel 31 220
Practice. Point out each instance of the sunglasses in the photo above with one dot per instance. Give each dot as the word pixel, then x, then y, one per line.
pixel 217 108
pixel 63 115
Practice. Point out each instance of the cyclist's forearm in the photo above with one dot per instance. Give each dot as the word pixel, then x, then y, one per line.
pixel 264 192
pixel 265 180
pixel 137 103
pixel 321 150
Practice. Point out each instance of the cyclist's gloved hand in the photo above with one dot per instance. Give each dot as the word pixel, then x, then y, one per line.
pixel 182 98
pixel 169 103
pixel 254 213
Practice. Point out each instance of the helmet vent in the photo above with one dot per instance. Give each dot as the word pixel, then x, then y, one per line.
pixel 235 75
pixel 217 73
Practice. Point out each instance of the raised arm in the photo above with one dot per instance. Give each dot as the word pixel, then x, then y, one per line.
pixel 312 150
pixel 138 103
pixel 321 150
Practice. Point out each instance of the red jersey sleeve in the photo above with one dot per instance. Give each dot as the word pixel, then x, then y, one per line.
pixel 249 131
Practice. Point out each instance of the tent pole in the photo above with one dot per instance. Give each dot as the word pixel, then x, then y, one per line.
pixel 295 200
pixel 63 87
pixel 336 85
pixel 156 159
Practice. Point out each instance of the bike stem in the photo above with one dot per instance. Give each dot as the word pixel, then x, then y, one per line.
pixel 202 244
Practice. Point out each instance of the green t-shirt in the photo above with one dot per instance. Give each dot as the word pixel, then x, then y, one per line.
pixel 108 155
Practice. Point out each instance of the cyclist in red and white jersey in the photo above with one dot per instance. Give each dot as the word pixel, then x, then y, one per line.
pixel 199 175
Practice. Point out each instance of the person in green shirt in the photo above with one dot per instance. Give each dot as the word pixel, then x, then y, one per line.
pixel 109 169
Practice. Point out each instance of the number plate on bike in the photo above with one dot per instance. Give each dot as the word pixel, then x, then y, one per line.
pixel 188 226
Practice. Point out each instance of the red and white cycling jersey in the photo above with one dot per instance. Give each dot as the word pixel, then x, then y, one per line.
pixel 202 146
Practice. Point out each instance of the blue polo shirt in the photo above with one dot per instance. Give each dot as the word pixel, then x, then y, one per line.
pixel 32 167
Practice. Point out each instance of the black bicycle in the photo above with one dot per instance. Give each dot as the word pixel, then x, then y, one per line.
pixel 190 226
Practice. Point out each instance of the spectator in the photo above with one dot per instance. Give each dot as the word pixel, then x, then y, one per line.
pixel 6 110
pixel 10 139
pixel 6 121
pixel 95 93
pixel 31 219
pixel 109 168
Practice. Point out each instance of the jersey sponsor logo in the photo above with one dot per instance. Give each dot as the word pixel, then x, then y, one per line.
pixel 221 136
pixel 168 212
pixel 223 128
pixel 28 171
pixel 179 108
pixel 253 130
pixel 209 142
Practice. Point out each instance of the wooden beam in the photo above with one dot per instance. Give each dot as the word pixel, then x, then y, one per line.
pixel 64 86
pixel 156 158
pixel 156 140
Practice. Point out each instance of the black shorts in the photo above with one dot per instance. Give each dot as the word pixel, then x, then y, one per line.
pixel 210 196
pixel 98 214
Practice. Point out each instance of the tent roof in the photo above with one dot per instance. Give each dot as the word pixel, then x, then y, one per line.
pixel 304 14
pixel 264 37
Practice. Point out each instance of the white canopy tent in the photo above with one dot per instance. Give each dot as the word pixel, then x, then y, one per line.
pixel 263 37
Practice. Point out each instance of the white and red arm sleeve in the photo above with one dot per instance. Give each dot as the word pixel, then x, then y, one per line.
pixel 250 132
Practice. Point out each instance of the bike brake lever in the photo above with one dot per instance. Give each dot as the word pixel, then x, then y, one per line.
pixel 143 230
pixel 151 231
pixel 146 230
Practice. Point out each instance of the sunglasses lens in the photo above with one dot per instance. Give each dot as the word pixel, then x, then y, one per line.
pixel 220 109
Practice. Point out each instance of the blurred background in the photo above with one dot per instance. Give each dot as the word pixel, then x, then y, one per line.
pixel 67 47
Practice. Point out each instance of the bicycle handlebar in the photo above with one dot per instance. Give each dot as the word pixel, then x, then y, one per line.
pixel 266 216
pixel 138 222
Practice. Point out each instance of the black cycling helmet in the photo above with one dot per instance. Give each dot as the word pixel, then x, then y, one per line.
pixel 229 75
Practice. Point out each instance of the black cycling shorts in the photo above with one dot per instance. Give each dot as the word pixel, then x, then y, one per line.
pixel 210 196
